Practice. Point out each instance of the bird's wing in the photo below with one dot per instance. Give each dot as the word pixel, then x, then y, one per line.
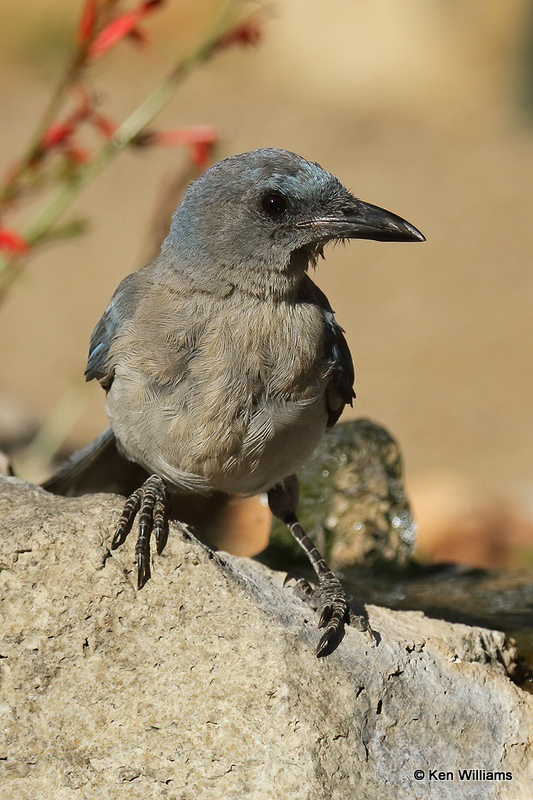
pixel 99 467
pixel 342 375
pixel 120 310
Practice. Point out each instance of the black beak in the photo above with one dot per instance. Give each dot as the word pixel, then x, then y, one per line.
pixel 360 220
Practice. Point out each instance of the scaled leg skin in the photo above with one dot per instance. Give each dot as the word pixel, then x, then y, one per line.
pixel 328 598
pixel 150 501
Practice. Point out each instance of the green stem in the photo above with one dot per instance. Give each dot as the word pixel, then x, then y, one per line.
pixel 56 102
pixel 11 268
pixel 130 127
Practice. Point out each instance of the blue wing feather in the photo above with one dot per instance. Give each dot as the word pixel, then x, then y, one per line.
pixel 338 354
pixel 119 310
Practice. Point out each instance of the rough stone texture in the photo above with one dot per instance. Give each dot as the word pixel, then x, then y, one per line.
pixel 204 685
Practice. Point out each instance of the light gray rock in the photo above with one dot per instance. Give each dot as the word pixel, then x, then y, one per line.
pixel 205 686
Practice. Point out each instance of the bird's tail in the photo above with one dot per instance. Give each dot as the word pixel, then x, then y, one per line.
pixel 98 467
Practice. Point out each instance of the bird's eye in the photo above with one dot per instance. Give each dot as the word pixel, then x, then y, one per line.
pixel 274 204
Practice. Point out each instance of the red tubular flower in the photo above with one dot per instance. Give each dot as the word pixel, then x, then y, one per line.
pixel 247 32
pixel 200 154
pixel 139 36
pixel 84 107
pixel 199 134
pixel 61 138
pixel 76 154
pixel 124 25
pixel 56 134
pixel 105 125
pixel 200 138
pixel 12 242
pixel 86 25
pixel 60 135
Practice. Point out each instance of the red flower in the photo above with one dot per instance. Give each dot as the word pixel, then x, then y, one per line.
pixel 85 28
pixel 247 32
pixel 200 154
pixel 56 134
pixel 105 125
pixel 62 135
pixel 76 154
pixel 199 134
pixel 125 25
pixel 138 36
pixel 12 242
pixel 200 138
pixel 84 105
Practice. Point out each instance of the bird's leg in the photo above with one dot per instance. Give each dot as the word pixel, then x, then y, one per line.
pixel 328 598
pixel 150 502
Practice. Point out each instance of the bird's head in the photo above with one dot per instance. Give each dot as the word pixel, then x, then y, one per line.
pixel 261 219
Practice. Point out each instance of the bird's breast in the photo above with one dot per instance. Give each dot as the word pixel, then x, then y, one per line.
pixel 233 401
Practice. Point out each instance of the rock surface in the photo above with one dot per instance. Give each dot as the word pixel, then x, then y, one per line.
pixel 205 686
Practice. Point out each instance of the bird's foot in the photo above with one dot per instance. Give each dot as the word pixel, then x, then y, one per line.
pixel 331 603
pixel 150 502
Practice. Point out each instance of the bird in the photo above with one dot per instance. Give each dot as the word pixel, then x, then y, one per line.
pixel 221 359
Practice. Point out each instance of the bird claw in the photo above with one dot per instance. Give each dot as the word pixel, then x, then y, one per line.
pixel 334 613
pixel 331 603
pixel 149 501
pixel 302 588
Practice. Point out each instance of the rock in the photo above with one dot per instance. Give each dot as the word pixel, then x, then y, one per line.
pixel 353 500
pixel 205 686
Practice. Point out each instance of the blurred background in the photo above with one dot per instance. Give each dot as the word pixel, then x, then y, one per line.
pixel 424 107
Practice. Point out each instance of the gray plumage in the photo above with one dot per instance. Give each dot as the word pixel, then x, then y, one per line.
pixel 222 360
